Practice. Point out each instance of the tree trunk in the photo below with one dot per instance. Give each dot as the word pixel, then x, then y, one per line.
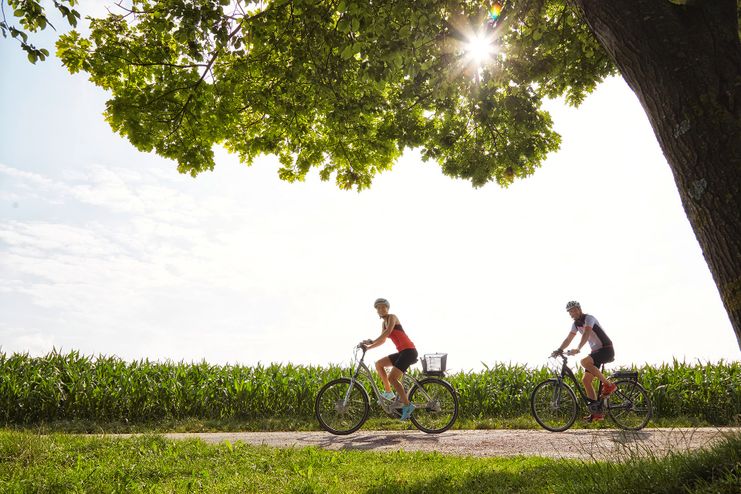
pixel 684 64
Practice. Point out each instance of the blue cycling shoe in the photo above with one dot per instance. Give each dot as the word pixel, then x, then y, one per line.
pixel 389 395
pixel 406 411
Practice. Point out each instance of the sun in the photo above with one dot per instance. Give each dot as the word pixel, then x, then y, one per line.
pixel 479 48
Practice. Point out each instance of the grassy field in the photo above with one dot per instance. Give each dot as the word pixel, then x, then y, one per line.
pixel 64 463
pixel 64 388
pixel 303 424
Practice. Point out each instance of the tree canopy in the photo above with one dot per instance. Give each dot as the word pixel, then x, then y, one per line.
pixel 32 18
pixel 344 86
pixel 340 85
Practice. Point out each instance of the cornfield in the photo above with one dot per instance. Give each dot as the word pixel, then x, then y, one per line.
pixel 76 387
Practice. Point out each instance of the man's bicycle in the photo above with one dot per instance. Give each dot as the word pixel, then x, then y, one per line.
pixel 554 405
pixel 342 405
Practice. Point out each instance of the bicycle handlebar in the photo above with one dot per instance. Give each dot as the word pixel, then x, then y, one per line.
pixel 559 353
pixel 361 346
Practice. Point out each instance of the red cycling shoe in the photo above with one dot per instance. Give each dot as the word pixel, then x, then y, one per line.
pixel 607 390
pixel 594 417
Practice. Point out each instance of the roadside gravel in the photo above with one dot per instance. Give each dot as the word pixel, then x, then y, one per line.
pixel 580 443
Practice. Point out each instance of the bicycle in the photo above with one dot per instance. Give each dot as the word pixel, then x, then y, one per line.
pixel 554 405
pixel 342 405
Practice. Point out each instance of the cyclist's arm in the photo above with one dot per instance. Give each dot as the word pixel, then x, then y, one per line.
pixel 566 342
pixel 385 333
pixel 584 337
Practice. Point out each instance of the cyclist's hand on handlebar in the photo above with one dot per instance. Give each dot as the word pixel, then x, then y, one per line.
pixel 556 353
pixel 363 344
pixel 573 351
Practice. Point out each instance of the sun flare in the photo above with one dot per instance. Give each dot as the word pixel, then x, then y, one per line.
pixel 479 48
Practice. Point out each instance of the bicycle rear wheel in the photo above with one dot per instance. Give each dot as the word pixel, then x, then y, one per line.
pixel 338 411
pixel 553 405
pixel 629 406
pixel 436 405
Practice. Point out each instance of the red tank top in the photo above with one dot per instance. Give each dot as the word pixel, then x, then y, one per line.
pixel 400 338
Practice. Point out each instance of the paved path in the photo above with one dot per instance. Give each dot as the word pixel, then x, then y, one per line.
pixel 580 443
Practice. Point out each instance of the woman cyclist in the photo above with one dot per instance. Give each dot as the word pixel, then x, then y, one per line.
pixel 400 361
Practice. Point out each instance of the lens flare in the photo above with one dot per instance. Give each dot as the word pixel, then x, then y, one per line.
pixel 495 12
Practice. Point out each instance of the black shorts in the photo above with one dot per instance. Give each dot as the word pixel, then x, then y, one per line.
pixel 404 359
pixel 604 355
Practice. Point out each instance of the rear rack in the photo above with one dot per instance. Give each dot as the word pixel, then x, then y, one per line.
pixel 626 374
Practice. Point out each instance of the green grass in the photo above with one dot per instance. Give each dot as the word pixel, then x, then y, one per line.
pixel 106 390
pixel 302 424
pixel 62 463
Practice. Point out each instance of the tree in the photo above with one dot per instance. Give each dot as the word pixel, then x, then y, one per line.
pixel 345 85
pixel 32 18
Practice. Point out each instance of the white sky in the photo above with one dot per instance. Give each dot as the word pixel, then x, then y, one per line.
pixel 108 250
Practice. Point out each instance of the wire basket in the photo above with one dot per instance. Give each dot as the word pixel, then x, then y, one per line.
pixel 433 364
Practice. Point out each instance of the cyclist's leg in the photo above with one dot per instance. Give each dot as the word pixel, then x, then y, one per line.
pixel 402 362
pixel 591 367
pixel 600 358
pixel 395 378
pixel 381 366
pixel 587 380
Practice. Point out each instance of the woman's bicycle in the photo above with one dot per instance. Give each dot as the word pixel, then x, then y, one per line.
pixel 342 405
pixel 554 405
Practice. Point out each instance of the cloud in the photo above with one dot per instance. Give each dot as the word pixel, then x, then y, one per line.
pixel 105 254
pixel 35 342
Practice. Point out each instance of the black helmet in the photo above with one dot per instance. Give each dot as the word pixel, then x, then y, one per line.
pixel 573 304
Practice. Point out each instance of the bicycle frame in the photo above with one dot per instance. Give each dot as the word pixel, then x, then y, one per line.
pixel 629 405
pixel 385 404
pixel 567 372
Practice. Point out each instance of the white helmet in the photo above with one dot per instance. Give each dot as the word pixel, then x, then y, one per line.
pixel 381 301
pixel 573 304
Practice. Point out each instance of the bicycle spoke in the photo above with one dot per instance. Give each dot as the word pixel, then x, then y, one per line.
pixel 629 406
pixel 340 412
pixel 436 406
pixel 553 405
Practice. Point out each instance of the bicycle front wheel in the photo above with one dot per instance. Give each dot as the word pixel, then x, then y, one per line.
pixel 629 406
pixel 553 405
pixel 436 405
pixel 341 409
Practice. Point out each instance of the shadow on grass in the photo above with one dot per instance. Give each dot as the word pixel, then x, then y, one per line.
pixel 516 478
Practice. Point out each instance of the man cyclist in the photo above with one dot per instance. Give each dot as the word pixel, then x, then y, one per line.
pixel 400 361
pixel 602 352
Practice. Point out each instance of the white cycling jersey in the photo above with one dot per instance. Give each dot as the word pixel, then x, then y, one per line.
pixel 598 338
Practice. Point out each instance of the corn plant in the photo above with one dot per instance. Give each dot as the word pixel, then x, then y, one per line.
pixel 72 386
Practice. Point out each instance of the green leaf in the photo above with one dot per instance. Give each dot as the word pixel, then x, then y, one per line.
pixel 296 87
pixel 348 51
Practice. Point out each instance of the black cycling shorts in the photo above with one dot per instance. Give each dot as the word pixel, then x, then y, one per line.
pixel 404 359
pixel 603 355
